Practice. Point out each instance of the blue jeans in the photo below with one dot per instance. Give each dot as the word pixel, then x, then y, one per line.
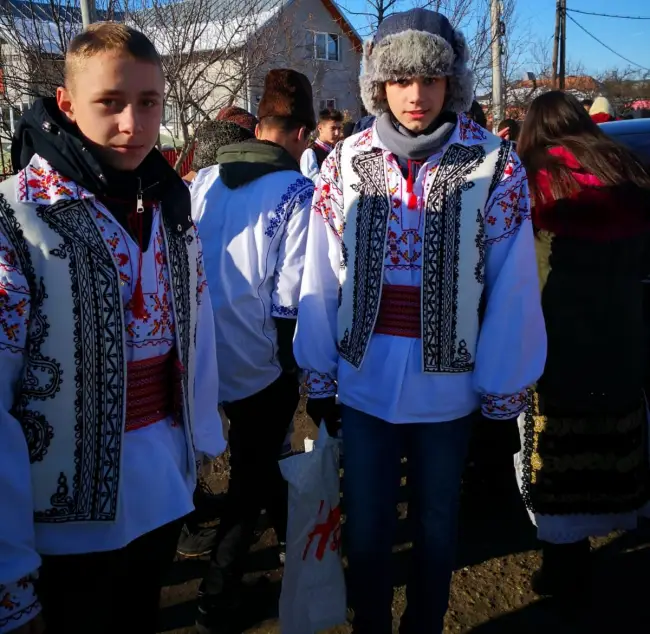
pixel 436 457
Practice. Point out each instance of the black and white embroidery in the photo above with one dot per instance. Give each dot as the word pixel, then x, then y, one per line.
pixel 502 162
pixel 371 226
pixel 38 433
pixel 99 368
pixel 441 256
pixel 42 374
pixel 179 273
pixel 479 270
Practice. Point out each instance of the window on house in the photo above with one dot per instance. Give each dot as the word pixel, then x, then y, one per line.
pixel 169 115
pixel 326 46
pixel 327 103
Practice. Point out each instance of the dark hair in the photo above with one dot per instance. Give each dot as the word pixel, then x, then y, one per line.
pixel 557 119
pixel 513 126
pixel 330 114
pixel 348 129
pixel 213 135
pixel 476 113
pixel 282 124
pixel 587 102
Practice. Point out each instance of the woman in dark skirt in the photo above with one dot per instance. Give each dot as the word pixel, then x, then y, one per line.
pixel 583 465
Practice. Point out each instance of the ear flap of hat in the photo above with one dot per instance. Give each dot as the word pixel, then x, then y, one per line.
pixel 416 54
pixel 460 93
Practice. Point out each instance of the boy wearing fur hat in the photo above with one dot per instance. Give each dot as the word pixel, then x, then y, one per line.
pixel 109 374
pixel 252 210
pixel 419 304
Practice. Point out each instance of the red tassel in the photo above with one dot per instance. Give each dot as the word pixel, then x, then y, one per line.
pixel 137 301
pixel 412 202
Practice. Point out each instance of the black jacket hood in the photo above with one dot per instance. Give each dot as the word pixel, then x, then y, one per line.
pixel 45 131
pixel 243 163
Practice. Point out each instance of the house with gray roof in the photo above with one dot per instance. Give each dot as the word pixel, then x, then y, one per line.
pixel 215 52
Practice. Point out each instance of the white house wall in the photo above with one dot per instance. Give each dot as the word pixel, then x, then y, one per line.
pixel 290 45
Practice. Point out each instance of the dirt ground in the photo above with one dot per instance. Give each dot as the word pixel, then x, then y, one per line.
pixel 491 591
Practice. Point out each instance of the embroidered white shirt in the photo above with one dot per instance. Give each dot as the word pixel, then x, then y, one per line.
pixel 309 162
pixel 156 481
pixel 390 384
pixel 254 240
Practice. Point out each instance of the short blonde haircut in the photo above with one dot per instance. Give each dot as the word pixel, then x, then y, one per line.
pixel 104 37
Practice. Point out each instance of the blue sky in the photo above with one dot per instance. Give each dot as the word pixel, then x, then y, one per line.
pixel 630 38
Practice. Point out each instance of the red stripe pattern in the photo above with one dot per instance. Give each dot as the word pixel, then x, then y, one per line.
pixel 399 312
pixel 153 390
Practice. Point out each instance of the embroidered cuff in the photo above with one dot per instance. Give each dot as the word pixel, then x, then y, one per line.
pixel 319 385
pixel 500 407
pixel 284 311
pixel 18 604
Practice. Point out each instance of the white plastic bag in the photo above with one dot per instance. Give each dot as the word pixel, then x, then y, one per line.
pixel 313 587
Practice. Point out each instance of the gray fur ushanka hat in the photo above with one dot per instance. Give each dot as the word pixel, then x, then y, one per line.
pixel 416 43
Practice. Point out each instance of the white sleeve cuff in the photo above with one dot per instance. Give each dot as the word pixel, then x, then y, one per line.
pixel 503 407
pixel 18 604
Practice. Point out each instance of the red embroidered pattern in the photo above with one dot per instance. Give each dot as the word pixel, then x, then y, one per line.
pixel 365 138
pixel 318 384
pixel 17 603
pixel 14 303
pixel 500 406
pixel 468 129
pixel 40 183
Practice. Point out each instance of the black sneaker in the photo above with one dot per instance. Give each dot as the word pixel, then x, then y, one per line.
pixel 196 543
pixel 208 504
pixel 218 614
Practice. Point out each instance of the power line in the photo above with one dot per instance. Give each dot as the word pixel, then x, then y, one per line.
pixel 609 48
pixel 609 15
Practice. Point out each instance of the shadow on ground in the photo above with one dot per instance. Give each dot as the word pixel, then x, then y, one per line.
pixel 490 592
pixel 617 601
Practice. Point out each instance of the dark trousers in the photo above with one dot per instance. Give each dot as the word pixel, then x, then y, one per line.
pixel 108 592
pixel 258 427
pixel 436 457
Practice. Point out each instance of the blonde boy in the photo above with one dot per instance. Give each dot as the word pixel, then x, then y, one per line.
pixel 109 379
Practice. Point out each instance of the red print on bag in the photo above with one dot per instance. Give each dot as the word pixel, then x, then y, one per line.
pixel 331 527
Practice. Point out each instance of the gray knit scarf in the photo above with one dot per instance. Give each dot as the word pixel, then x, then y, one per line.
pixel 417 147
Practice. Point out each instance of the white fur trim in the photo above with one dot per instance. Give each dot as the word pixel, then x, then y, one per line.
pixel 416 54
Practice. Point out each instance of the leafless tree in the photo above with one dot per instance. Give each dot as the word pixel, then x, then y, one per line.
pixel 376 11
pixel 470 16
pixel 34 37
pixel 210 51
pixel 624 86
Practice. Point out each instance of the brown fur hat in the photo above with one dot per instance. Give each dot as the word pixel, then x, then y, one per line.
pixel 288 94
pixel 238 115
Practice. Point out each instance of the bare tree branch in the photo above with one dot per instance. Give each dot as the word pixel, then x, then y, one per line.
pixel 210 50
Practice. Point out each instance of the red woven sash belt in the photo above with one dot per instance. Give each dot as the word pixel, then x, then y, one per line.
pixel 153 390
pixel 399 312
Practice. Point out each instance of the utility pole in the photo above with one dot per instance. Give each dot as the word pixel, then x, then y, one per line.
pixel 497 79
pixel 556 41
pixel 87 12
pixel 563 46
